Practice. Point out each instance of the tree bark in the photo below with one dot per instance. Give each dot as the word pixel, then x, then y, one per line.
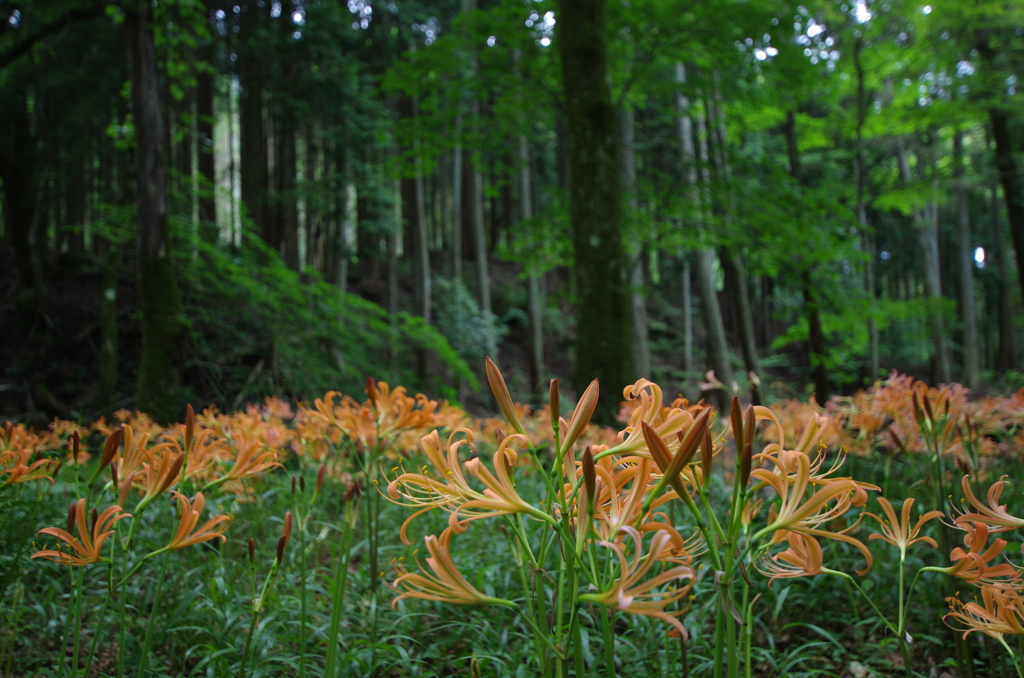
pixel 637 300
pixel 815 332
pixel 158 286
pixel 535 279
pixel 687 316
pixel 874 367
pixel 204 149
pixel 602 308
pixel 17 170
pixel 253 161
pixel 968 304
pixel 927 223
pixel 1013 184
pixel 704 258
pixel 1004 357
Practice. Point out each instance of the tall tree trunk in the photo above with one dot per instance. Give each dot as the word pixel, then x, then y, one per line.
pixel 736 284
pixel 456 230
pixel 602 276
pixel 968 309
pixel 637 301
pixel 1004 353
pixel 867 243
pixel 687 316
pixel 704 258
pixel 17 170
pixel 815 332
pixel 253 161
pixel 285 207
pixel 74 216
pixel 204 148
pixel 927 224
pixel 1006 163
pixel 158 285
pixel 535 279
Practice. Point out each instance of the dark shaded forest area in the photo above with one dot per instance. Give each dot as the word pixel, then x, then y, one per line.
pixel 213 202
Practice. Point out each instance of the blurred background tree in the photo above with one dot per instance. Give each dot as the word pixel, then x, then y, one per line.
pixel 215 201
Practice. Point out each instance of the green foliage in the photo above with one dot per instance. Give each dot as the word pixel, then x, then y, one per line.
pixel 258 328
pixel 460 321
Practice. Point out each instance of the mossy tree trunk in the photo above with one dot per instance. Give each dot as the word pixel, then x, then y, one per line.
pixel 602 281
pixel 158 287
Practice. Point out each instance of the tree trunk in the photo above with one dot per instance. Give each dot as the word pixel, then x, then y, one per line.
pixel 818 349
pixel 704 258
pixel 17 170
pixel 968 309
pixel 158 286
pixel 687 316
pixel 535 279
pixel 736 284
pixel 874 367
pixel 254 170
pixel 457 230
pixel 285 208
pixel 204 147
pixel 1004 356
pixel 1013 184
pixel 927 224
pixel 637 301
pixel 602 276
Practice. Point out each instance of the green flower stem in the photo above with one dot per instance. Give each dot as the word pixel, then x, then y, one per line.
pixel 1013 657
pixel 302 596
pixel 338 597
pixel 609 641
pixel 100 625
pixel 144 654
pixel 78 621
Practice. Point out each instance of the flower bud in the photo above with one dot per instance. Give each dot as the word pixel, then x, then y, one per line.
pixel 554 403
pixel 501 435
pixel 581 415
pixel 502 396
pixel 354 490
pixel 589 478
pixel 94 515
pixel 302 484
pixel 110 448
pixel 321 473
pixel 190 426
pixel 371 392
pixel 252 550
pixel 76 446
pixel 707 453
pixel 71 516
pixel 113 475
pixel 282 542
pixel 736 421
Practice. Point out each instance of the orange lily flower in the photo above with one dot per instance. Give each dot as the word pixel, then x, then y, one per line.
pixel 803 558
pixel 15 464
pixel 1001 612
pixel 252 459
pixel 187 534
pixel 87 548
pixel 630 594
pixel 897 531
pixel 973 565
pixel 797 514
pixel 452 490
pixel 159 473
pixel 993 514
pixel 446 585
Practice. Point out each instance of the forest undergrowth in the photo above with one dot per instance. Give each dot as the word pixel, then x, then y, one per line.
pixel 394 535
